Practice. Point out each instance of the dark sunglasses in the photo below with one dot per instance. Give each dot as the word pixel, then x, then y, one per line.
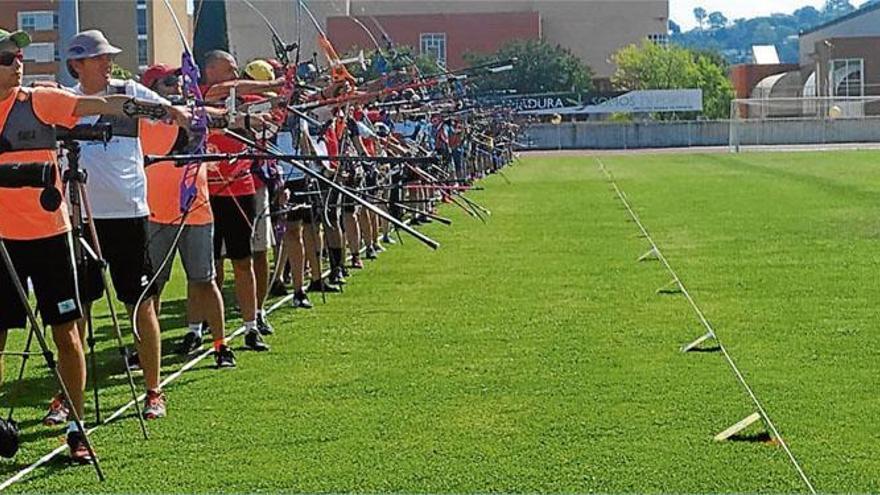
pixel 170 80
pixel 9 58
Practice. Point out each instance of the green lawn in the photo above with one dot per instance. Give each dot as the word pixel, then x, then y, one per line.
pixel 532 354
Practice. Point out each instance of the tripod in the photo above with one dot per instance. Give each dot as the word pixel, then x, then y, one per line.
pixel 75 179
pixel 37 331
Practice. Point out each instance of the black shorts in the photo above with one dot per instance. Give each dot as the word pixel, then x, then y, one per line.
pixel 124 245
pixel 49 264
pixel 300 202
pixel 234 219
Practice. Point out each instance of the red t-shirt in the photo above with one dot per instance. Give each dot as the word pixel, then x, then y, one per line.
pixel 224 178
pixel 332 143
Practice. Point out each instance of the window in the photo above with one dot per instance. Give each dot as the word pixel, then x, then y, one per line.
pixel 434 45
pixel 37 20
pixel 142 17
pixel 847 77
pixel 143 52
pixel 659 39
pixel 39 52
pixel 143 46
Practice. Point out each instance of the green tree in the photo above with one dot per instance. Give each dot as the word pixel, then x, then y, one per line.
pixel 700 16
pixel 717 20
pixel 764 33
pixel 119 72
pixel 649 66
pixel 836 8
pixel 401 57
pixel 540 68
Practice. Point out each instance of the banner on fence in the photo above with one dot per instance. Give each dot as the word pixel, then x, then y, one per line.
pixel 644 101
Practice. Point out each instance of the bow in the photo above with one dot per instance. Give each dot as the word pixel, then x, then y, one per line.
pixel 198 130
pixel 199 126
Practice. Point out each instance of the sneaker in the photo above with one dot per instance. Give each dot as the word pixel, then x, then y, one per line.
pixel 58 412
pixel 154 404
pixel 369 253
pixel 356 263
pixel 343 272
pixel 79 452
pixel 224 358
pixel 386 239
pixel 254 342
pixel 337 278
pixel 278 289
pixel 133 361
pixel 263 325
pixel 321 286
pixel 301 300
pixel 192 342
pixel 378 248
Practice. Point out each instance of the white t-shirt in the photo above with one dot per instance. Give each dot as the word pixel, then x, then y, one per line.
pixel 117 183
pixel 285 145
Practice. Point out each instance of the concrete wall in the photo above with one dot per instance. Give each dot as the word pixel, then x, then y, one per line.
pixel 165 44
pixel 117 20
pixel 584 135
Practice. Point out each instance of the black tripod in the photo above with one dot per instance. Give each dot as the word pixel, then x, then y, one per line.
pixel 84 255
pixel 37 330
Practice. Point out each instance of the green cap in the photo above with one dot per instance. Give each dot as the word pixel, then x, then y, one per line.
pixel 20 38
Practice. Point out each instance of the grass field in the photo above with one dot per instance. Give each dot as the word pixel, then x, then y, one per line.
pixel 533 354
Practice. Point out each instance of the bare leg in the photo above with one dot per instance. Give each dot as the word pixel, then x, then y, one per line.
pixel 313 247
pixel 293 240
pixel 261 276
pixel 206 303
pixel 71 363
pixel 352 232
pixel 245 288
pixel 150 346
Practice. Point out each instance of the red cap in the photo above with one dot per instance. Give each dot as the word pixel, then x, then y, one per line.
pixel 156 72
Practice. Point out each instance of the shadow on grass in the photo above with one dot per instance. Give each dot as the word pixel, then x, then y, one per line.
pixel 762 437
pixel 713 349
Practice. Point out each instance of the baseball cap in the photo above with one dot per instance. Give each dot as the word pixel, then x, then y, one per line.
pixel 20 38
pixel 88 44
pixel 157 72
pixel 260 70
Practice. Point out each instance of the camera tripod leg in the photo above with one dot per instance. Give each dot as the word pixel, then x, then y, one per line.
pixel 24 359
pixel 47 354
pixel 114 317
pixel 93 363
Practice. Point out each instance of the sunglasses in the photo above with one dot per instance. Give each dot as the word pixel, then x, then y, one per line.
pixel 9 58
pixel 170 80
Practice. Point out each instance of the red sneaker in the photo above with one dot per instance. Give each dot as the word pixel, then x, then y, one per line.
pixel 79 452
pixel 154 405
pixel 58 412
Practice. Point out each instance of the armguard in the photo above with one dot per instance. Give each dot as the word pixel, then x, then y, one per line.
pixel 218 121
pixel 136 109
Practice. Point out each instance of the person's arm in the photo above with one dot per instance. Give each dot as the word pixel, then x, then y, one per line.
pixel 242 87
pixel 122 105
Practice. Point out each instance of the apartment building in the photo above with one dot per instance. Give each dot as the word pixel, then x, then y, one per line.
pixel 143 29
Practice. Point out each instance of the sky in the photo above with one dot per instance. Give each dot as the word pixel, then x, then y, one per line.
pixel 682 11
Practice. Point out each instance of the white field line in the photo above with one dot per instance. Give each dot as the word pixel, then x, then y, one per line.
pixel 116 414
pixel 708 326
